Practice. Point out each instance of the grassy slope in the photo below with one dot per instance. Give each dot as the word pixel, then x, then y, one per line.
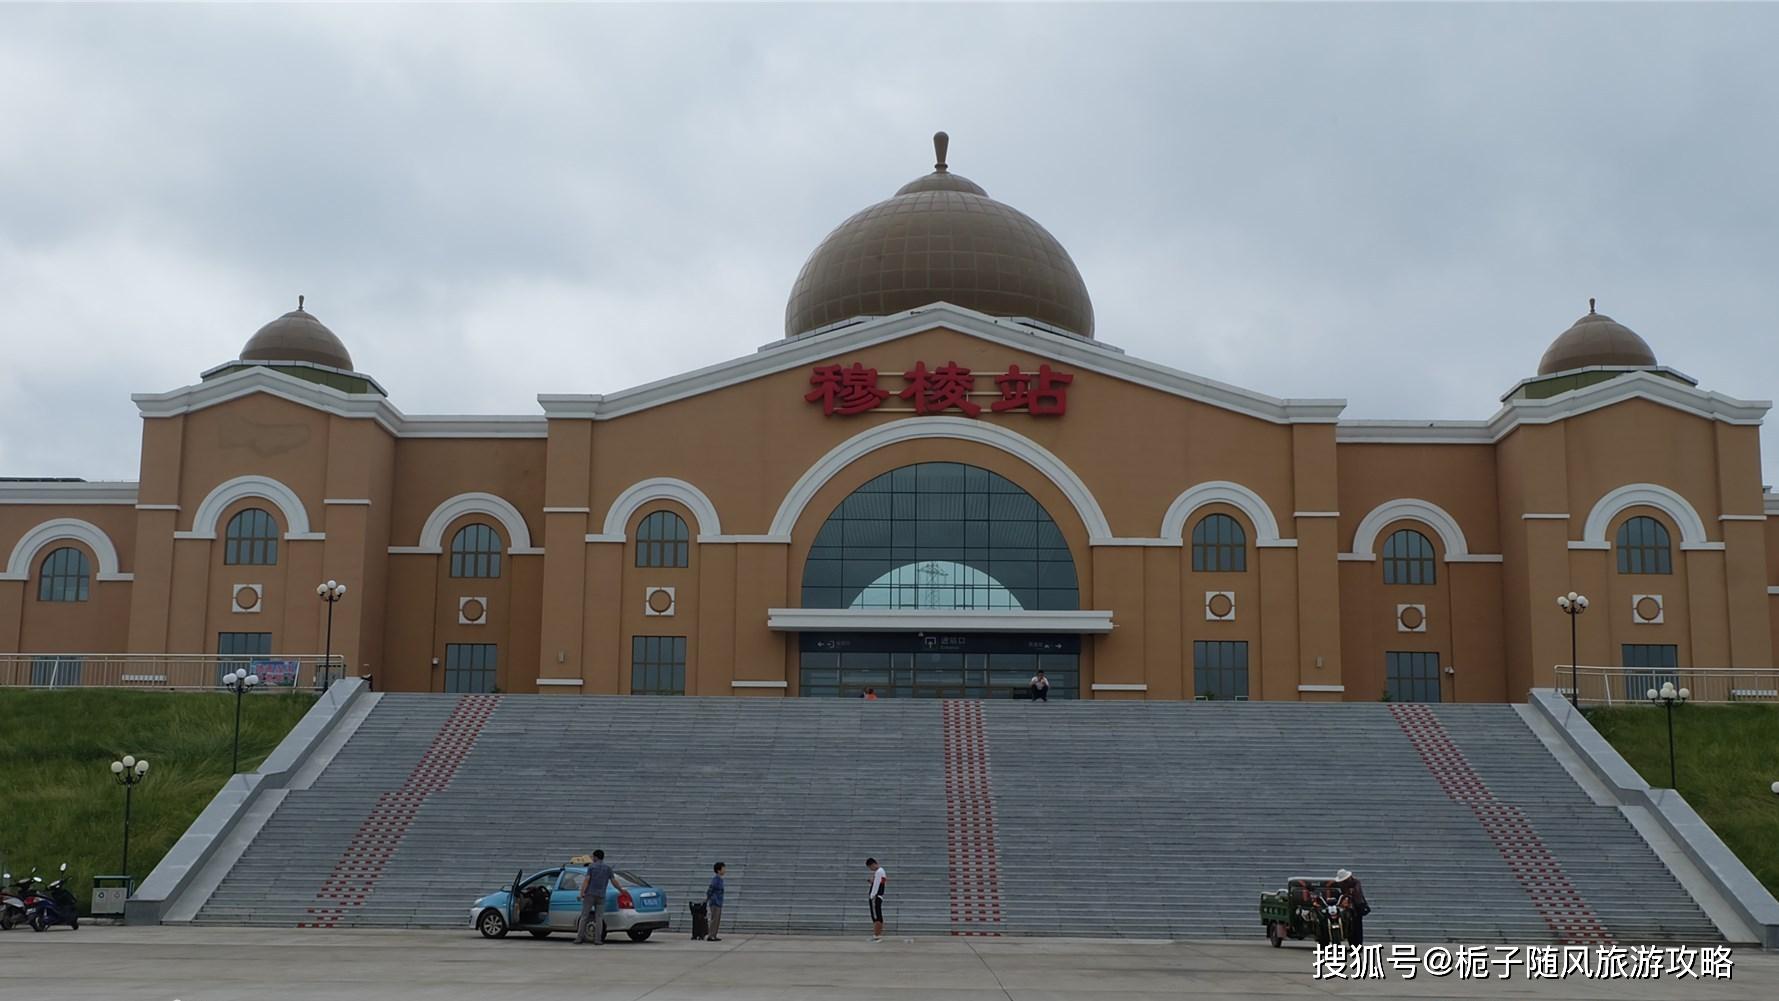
pixel 58 801
pixel 1727 759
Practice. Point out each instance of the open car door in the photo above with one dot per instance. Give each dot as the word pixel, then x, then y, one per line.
pixel 515 905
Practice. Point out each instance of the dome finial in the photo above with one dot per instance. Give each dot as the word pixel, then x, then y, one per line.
pixel 1590 305
pixel 941 142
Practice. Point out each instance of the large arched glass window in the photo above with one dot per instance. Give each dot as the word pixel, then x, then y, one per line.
pixel 251 539
pixel 1643 547
pixel 63 576
pixel 1219 545
pixel 475 552
pixel 940 535
pixel 662 541
pixel 1408 558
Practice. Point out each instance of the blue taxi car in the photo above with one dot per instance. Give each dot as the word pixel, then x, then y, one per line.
pixel 550 901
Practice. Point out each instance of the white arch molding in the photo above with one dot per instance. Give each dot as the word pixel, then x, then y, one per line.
pixel 790 510
pixel 209 512
pixel 1670 503
pixel 24 554
pixel 1451 537
pixel 432 534
pixel 1266 527
pixel 617 517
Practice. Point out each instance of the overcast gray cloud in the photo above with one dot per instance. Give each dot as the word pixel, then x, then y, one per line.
pixel 1397 205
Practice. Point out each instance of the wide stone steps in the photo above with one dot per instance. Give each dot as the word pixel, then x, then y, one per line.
pixel 1122 819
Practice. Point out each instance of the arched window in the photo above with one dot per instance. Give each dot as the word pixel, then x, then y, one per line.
pixel 252 540
pixel 1219 545
pixel 661 541
pixel 1643 547
pixel 475 552
pixel 1408 558
pixel 64 576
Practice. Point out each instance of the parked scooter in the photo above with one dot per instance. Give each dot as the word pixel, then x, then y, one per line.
pixel 55 905
pixel 12 899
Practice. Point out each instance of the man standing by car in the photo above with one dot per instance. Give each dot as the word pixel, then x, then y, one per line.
pixel 879 882
pixel 713 902
pixel 592 923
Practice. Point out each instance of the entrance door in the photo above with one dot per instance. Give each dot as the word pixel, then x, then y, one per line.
pixel 933 666
pixel 470 667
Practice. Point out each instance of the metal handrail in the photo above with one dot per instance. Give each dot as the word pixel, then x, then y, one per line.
pixel 1607 685
pixel 167 671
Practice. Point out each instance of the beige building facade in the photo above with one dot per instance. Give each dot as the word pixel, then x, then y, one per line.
pixel 937 484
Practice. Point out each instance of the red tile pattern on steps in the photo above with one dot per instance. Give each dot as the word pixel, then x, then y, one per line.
pixel 1555 899
pixel 360 866
pixel 974 861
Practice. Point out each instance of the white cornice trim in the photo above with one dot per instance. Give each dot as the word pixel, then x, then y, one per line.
pixel 1243 499
pixel 1589 545
pixel 354 406
pixel 1475 558
pixel 1514 413
pixel 432 534
pixel 617 517
pixel 1356 557
pixel 568 510
pixel 68 492
pixel 158 507
pixel 1706 547
pixel 24 552
pixel 209 512
pixel 1321 688
pixel 1773 590
pixel 790 510
pixel 1113 686
pixel 1544 517
pixel 1315 514
pixel 1413 509
pixel 565 682
pixel 1076 352
pixel 354 501
pixel 759 684
pixel 414 551
pixel 1613 502
pixel 1741 517
pixel 807 620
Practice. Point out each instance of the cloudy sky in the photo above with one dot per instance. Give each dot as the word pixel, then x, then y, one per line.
pixel 1397 205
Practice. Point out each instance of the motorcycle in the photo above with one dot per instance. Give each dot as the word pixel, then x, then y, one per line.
pixel 1334 907
pixel 12 899
pixel 54 906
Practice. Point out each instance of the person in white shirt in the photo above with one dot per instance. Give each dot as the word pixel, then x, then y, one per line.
pixel 879 882
pixel 1040 688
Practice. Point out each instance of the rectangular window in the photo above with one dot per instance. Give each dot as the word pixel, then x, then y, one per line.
pixel 245 646
pixel 1411 676
pixel 55 672
pixel 470 667
pixel 1220 669
pixel 1662 659
pixel 657 665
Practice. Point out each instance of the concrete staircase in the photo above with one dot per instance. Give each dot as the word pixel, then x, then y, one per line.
pixel 1100 818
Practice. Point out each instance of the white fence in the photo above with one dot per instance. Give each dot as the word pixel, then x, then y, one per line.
pixel 166 672
pixel 1617 686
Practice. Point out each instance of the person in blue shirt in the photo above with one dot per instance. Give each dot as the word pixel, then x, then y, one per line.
pixel 591 926
pixel 713 902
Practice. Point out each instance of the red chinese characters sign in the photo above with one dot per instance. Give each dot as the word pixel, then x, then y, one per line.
pixel 848 390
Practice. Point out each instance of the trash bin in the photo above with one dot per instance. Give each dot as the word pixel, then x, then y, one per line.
pixel 109 894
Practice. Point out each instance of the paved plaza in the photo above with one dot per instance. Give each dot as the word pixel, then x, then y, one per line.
pixel 254 964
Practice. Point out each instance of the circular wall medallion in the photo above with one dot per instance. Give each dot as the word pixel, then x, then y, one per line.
pixel 247 597
pixel 1220 605
pixel 1411 618
pixel 1648 608
pixel 473 610
pixel 660 601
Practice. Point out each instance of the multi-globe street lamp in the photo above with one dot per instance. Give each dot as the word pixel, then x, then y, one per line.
pixel 1573 604
pixel 239 682
pixel 1668 696
pixel 330 592
pixel 128 772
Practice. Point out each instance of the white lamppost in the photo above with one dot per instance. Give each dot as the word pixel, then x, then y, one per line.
pixel 238 681
pixel 330 592
pixel 128 772
pixel 1668 696
pixel 1572 604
